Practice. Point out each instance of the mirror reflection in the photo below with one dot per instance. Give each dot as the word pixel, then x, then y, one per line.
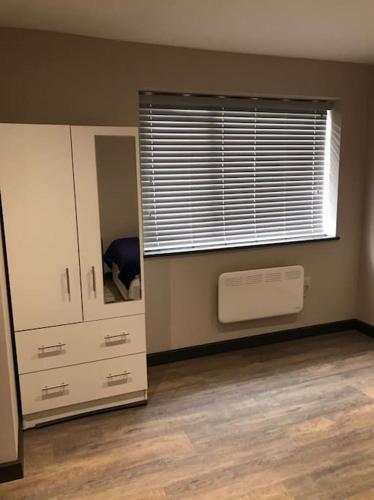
pixel 119 224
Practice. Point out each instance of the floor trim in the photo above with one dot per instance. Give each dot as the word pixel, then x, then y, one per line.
pixel 365 328
pixel 159 358
pixel 10 471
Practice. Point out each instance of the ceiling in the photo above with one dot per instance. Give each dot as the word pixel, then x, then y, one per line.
pixel 341 30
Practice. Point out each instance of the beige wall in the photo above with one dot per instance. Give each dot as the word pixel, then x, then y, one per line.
pixel 52 78
pixel 365 295
pixel 8 400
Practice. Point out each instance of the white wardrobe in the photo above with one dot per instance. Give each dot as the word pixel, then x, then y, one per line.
pixel 73 232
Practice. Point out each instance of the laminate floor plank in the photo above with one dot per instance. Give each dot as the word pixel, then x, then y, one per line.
pixel 286 421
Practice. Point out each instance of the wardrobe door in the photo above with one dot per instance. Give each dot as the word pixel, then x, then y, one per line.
pixel 37 190
pixel 106 172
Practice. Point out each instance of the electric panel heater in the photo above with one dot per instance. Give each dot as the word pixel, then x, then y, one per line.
pixel 260 293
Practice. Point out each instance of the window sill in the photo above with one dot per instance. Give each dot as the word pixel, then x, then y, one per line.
pixel 247 247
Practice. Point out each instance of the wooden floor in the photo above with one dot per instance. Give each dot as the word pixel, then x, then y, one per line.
pixel 291 420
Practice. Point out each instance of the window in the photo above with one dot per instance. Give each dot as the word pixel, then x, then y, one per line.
pixel 220 172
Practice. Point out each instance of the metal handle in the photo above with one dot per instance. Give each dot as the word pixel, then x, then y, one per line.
pixel 53 387
pixel 68 282
pixel 59 346
pixel 123 374
pixel 93 278
pixel 108 337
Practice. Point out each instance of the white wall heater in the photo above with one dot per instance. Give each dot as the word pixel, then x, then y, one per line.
pixel 260 293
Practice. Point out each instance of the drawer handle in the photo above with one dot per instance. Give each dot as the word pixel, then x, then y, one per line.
pixel 57 347
pixel 60 388
pixel 124 374
pixel 119 336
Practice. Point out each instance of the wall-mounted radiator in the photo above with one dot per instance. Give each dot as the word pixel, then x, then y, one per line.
pixel 260 293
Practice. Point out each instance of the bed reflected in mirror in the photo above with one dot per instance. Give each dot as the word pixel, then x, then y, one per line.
pixel 119 222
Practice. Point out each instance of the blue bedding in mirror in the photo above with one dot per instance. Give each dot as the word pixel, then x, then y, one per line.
pixel 125 253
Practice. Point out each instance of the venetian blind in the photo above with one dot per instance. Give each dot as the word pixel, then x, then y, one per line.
pixel 225 172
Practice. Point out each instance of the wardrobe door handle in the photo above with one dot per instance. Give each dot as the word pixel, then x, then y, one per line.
pixel 93 278
pixel 68 282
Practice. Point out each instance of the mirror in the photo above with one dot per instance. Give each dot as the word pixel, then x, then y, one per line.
pixel 119 223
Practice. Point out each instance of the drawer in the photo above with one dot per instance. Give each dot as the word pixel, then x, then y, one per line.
pixel 66 345
pixel 41 391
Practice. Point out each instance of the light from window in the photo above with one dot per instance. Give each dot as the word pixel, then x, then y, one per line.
pixel 230 172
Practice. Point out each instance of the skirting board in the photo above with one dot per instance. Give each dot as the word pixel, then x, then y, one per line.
pixel 197 351
pixel 365 328
pixel 10 471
